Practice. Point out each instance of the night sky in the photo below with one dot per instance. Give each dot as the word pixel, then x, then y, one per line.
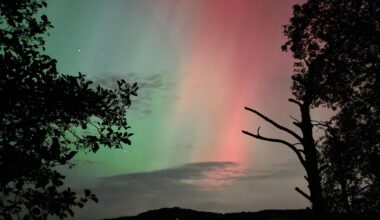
pixel 197 63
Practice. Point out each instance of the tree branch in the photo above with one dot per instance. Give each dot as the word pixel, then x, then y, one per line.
pixel 321 124
pixel 276 124
pixel 74 134
pixel 295 101
pixel 303 193
pixel 96 127
pixel 296 122
pixel 301 151
pixel 258 136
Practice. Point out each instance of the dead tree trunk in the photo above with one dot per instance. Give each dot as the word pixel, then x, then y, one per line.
pixel 307 155
pixel 311 163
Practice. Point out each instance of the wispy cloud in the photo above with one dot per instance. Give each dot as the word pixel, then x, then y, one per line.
pixel 209 186
pixel 148 86
pixel 196 176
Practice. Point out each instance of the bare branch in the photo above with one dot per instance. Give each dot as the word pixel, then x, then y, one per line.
pixel 303 193
pixel 294 119
pixel 258 136
pixel 296 122
pixel 320 124
pixel 300 150
pixel 295 101
pixel 275 124
pixel 306 178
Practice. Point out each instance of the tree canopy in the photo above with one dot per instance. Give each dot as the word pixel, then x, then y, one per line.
pixel 47 117
pixel 336 47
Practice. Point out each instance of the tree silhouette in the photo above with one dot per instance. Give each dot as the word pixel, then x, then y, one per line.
pixel 351 157
pixel 47 117
pixel 336 47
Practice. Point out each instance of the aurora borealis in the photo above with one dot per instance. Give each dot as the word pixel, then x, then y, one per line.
pixel 198 63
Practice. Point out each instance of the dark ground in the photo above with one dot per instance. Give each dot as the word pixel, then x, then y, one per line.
pixel 188 214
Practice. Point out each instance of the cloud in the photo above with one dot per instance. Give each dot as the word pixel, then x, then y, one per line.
pixel 148 87
pixel 194 176
pixel 85 162
pixel 208 186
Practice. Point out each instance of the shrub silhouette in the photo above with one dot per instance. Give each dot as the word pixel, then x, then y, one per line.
pixel 47 117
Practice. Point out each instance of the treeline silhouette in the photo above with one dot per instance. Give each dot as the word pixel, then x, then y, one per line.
pixel 188 214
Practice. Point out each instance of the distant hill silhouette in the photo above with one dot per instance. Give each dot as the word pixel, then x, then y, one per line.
pixel 177 213
pixel 188 214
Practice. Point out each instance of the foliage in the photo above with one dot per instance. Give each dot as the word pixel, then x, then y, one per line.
pixel 336 45
pixel 47 117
